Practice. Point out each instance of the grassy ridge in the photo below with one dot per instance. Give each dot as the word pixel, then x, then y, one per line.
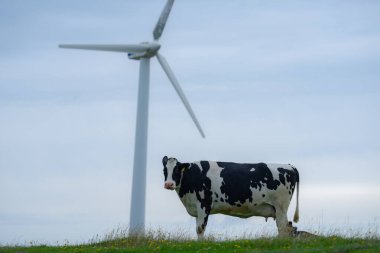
pixel 322 244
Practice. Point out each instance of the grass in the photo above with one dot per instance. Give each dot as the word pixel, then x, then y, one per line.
pixel 159 241
pixel 328 244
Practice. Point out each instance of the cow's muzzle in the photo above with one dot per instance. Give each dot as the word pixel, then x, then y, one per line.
pixel 169 185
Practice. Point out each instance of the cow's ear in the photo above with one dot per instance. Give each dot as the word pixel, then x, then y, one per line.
pixel 165 160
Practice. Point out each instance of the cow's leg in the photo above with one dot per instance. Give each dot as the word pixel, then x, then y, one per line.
pixel 202 217
pixel 282 223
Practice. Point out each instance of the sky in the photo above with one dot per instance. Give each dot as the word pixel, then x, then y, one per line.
pixel 269 81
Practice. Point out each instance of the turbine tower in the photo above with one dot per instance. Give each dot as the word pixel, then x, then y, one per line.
pixel 143 52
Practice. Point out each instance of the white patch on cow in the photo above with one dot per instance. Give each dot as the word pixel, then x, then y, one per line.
pixel 216 184
pixel 170 165
pixel 253 169
pixel 202 194
pixel 260 196
pixel 189 200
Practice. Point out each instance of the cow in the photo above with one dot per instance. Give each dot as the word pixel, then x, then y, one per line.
pixel 237 189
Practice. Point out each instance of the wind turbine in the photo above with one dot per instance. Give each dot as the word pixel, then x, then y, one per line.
pixel 143 52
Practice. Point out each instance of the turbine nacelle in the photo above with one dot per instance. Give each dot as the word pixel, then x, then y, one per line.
pixel 152 48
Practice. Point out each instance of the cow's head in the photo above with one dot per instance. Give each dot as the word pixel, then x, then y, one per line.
pixel 172 172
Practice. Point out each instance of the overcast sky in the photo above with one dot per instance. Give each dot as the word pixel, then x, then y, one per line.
pixel 270 81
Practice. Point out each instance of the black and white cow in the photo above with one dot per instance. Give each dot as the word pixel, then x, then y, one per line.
pixel 236 189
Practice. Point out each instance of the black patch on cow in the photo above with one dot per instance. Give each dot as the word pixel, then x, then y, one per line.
pixel 204 224
pixel 221 199
pixel 165 173
pixel 239 178
pixel 282 178
pixel 194 180
pixel 263 195
pixel 165 160
pixel 205 165
pixel 216 195
pixel 177 172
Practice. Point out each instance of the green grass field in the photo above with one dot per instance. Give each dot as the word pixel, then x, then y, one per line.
pixel 149 244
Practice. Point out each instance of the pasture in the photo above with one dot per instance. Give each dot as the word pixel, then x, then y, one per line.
pixel 164 242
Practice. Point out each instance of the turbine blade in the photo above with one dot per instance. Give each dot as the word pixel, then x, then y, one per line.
pixel 173 80
pixel 159 28
pixel 125 48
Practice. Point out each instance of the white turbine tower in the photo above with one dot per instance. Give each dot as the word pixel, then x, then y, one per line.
pixel 143 52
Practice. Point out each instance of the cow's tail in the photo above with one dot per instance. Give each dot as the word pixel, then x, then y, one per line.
pixel 296 214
